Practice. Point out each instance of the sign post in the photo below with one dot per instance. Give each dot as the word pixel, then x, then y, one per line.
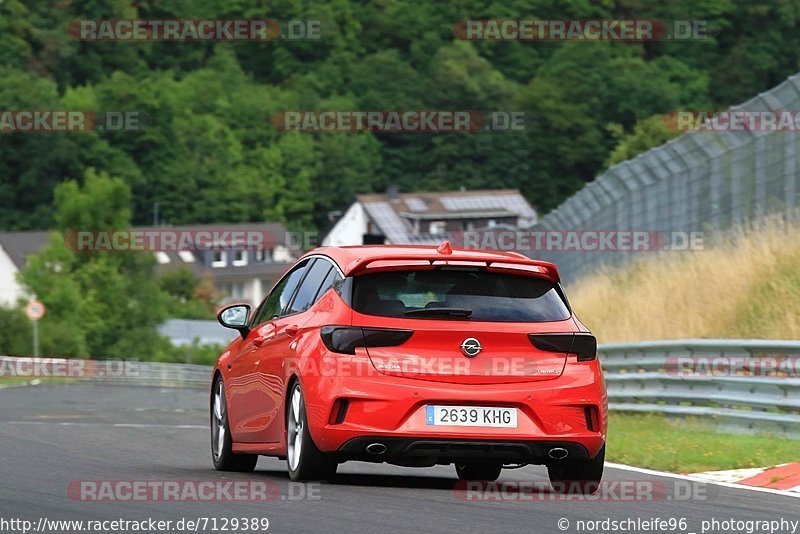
pixel 35 310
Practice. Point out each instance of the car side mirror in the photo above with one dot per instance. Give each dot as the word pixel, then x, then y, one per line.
pixel 235 316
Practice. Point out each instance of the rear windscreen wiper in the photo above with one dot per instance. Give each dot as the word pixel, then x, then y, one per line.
pixel 454 312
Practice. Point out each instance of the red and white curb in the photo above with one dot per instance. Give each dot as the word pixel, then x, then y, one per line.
pixel 785 477
pixel 697 477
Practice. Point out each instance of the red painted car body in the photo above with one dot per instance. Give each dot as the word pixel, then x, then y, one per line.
pixel 380 394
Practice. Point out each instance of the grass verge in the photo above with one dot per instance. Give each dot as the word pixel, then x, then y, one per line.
pixel 690 445
pixel 747 286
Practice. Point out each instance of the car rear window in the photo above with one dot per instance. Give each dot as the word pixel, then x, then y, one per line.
pixel 487 296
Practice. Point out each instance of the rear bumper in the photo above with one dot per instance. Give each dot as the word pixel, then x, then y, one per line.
pixel 391 410
pixel 448 451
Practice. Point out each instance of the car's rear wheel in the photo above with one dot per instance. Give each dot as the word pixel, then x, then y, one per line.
pixel 304 459
pixel 479 471
pixel 577 476
pixel 221 443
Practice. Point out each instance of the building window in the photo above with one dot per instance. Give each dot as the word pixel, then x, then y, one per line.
pixel 219 259
pixel 437 227
pixel 239 258
pixel 281 254
pixel 260 255
pixel 186 256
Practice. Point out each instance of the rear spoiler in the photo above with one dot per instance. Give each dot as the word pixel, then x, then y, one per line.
pixel 519 266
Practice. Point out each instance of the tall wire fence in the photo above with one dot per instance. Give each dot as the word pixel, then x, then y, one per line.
pixel 701 181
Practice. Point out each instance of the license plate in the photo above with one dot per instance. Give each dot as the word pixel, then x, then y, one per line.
pixel 471 416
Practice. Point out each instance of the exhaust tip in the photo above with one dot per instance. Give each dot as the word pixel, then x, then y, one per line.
pixel 376 448
pixel 558 453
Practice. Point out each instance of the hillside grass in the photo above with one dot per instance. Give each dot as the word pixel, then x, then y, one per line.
pixel 747 286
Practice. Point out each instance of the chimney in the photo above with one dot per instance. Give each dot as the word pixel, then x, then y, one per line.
pixel 393 193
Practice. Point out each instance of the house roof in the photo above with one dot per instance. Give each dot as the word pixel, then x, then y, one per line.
pixel 275 228
pixel 267 270
pixel 20 245
pixel 392 213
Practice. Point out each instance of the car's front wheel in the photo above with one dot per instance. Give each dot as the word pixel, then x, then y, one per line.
pixel 304 459
pixel 479 471
pixel 577 476
pixel 221 443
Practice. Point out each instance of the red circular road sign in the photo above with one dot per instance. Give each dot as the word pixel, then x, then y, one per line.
pixel 34 310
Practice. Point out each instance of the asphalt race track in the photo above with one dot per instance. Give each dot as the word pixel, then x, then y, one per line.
pixel 54 435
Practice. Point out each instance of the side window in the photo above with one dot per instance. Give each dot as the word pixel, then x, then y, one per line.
pixel 332 279
pixel 306 295
pixel 276 302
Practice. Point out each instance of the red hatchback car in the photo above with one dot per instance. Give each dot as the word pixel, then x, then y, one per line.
pixel 415 356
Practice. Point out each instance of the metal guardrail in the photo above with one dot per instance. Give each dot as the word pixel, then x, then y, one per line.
pixel 106 371
pixel 164 374
pixel 641 377
pixel 743 385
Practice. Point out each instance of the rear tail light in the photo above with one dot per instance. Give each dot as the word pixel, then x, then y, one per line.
pixel 584 345
pixel 346 339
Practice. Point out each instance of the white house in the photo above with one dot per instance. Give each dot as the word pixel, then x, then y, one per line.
pixel 428 218
pixel 15 247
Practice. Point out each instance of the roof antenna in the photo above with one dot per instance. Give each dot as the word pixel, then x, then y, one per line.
pixel 445 248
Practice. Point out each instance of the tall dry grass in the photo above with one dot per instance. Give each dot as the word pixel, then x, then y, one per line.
pixel 748 286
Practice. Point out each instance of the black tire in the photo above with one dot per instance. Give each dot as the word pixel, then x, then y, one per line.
pixel 310 463
pixel 484 471
pixel 577 476
pixel 222 450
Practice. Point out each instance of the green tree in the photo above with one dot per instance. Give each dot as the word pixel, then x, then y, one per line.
pixel 647 134
pixel 185 295
pixel 16 338
pixel 209 153
pixel 103 304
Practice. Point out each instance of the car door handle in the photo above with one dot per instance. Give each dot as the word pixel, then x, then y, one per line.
pixel 257 342
pixel 291 331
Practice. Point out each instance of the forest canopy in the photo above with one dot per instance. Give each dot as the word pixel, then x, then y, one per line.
pixel 208 152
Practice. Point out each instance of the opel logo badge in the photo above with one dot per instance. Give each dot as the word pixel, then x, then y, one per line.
pixel 471 347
